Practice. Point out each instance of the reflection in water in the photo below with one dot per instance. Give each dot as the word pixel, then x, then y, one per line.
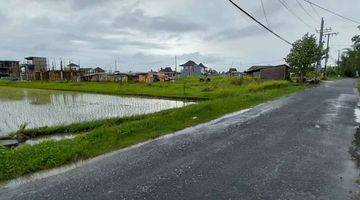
pixel 49 138
pixel 48 108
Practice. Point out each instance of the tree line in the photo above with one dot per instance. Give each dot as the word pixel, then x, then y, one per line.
pixel 306 53
pixel 350 59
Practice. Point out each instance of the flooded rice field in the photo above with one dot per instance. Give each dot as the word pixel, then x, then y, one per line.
pixel 38 108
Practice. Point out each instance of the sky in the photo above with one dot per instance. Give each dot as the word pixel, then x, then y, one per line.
pixel 140 35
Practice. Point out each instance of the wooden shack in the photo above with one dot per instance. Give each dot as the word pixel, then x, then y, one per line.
pixel 269 72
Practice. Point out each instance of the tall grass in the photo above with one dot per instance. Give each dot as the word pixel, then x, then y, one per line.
pixel 260 86
pixel 242 80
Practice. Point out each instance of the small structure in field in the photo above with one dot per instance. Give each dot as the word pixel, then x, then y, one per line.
pixel 269 72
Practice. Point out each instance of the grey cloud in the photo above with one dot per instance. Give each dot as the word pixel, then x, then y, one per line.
pixel 212 59
pixel 230 34
pixel 3 20
pixel 237 33
pixel 144 62
pixel 123 44
pixel 145 34
pixel 81 4
pixel 77 4
pixel 138 20
pixel 271 7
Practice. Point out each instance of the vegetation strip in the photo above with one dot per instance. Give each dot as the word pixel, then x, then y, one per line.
pixel 225 97
pixel 354 150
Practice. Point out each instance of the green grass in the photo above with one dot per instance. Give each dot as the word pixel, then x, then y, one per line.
pixel 108 135
pixel 189 87
pixel 75 127
pixel 355 148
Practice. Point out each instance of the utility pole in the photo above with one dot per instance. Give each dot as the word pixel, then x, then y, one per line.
pixel 338 61
pixel 328 47
pixel 318 64
pixel 176 73
pixel 61 70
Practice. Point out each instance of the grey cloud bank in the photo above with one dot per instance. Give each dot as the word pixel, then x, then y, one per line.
pixel 144 35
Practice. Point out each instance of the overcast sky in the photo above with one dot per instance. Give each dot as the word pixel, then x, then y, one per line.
pixel 147 34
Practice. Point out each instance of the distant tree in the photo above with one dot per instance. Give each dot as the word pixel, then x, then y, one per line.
pixel 350 59
pixel 303 55
pixel 356 42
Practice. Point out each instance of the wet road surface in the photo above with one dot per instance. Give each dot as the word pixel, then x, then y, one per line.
pixel 292 148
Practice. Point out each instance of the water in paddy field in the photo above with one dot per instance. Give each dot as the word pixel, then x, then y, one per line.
pixel 40 108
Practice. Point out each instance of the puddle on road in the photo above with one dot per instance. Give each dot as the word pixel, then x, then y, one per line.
pixel 357 114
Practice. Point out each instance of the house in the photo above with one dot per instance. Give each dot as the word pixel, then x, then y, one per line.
pixel 269 72
pixel 10 69
pixel 72 67
pixel 34 68
pixel 234 72
pixel 203 67
pixel 120 77
pixel 166 74
pixel 190 68
pixel 39 63
pixel 99 70
pixel 86 70
pixel 27 71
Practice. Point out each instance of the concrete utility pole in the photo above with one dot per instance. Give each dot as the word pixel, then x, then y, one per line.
pixel 175 63
pixel 61 70
pixel 328 47
pixel 338 61
pixel 176 72
pixel 318 64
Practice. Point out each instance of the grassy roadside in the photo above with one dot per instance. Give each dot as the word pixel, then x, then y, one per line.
pixel 225 97
pixel 355 149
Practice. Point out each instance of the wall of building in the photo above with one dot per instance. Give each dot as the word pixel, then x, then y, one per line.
pixel 10 69
pixel 190 71
pixel 274 73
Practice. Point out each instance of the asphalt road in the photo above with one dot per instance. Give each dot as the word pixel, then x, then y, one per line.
pixel 292 148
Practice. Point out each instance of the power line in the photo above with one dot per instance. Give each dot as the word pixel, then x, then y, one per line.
pixel 332 12
pixel 261 24
pixel 315 11
pixel 263 8
pixel 304 9
pixel 283 3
